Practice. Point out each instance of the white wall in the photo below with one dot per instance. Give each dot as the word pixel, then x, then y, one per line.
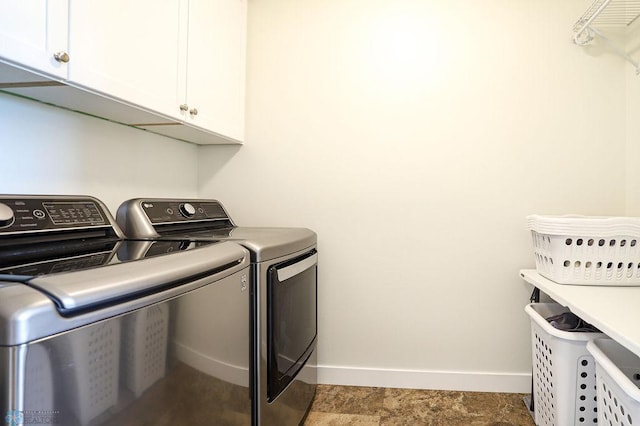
pixel 53 151
pixel 414 137
pixel 633 124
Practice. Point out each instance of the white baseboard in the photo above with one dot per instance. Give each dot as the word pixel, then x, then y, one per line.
pixel 419 379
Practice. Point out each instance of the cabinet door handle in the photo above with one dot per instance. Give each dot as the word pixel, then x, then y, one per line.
pixel 184 107
pixel 61 56
pixel 193 111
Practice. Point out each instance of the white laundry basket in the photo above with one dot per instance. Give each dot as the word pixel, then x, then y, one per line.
pixel 618 378
pixel 563 370
pixel 144 351
pixel 39 394
pixel 91 358
pixel 587 250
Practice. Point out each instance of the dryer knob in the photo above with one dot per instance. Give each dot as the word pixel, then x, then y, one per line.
pixel 6 215
pixel 187 210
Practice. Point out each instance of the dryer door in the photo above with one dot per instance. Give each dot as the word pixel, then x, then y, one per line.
pixel 292 319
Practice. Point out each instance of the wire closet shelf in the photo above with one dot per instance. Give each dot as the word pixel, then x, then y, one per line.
pixel 607 14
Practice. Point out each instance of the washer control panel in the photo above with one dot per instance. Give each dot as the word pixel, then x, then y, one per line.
pixel 172 211
pixel 29 213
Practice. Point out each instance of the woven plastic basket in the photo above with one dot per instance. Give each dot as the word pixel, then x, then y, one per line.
pixel 563 370
pixel 617 378
pixel 587 250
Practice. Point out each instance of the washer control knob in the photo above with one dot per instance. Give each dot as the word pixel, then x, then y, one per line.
pixel 187 210
pixel 6 215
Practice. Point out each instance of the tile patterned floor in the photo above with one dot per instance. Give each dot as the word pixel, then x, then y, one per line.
pixel 365 406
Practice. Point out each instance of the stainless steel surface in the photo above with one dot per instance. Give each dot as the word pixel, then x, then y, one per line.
pixel 32 315
pixel 133 216
pixel 290 271
pixel 95 329
pixel 71 290
pixel 62 57
pixel 162 219
pixel 264 243
pixel 135 249
pixel 290 406
pixel 12 379
pixel 272 243
pixel 184 360
pixel 133 221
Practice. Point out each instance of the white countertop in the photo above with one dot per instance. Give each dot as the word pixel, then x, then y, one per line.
pixel 614 310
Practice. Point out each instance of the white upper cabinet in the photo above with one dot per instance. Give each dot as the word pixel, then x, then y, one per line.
pixel 215 66
pixel 127 50
pixel 176 67
pixel 32 32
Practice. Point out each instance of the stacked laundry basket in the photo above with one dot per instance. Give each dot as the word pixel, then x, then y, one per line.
pixel 579 375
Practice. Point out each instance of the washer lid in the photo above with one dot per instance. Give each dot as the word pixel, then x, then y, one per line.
pixel 96 287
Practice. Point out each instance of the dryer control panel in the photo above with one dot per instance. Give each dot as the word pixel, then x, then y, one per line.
pixel 152 217
pixel 163 211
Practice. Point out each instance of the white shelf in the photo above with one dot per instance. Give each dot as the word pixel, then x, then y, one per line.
pixel 611 13
pixel 605 15
pixel 614 310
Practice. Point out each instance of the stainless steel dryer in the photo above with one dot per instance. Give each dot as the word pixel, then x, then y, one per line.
pixel 284 292
pixel 95 329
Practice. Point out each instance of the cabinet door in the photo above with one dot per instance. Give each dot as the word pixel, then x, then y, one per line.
pixel 128 50
pixel 31 32
pixel 215 83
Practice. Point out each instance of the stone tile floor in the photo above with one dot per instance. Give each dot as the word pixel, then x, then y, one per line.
pixel 366 406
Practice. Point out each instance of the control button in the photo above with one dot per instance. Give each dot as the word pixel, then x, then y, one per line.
pixel 38 214
pixel 169 211
pixel 6 215
pixel 187 210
